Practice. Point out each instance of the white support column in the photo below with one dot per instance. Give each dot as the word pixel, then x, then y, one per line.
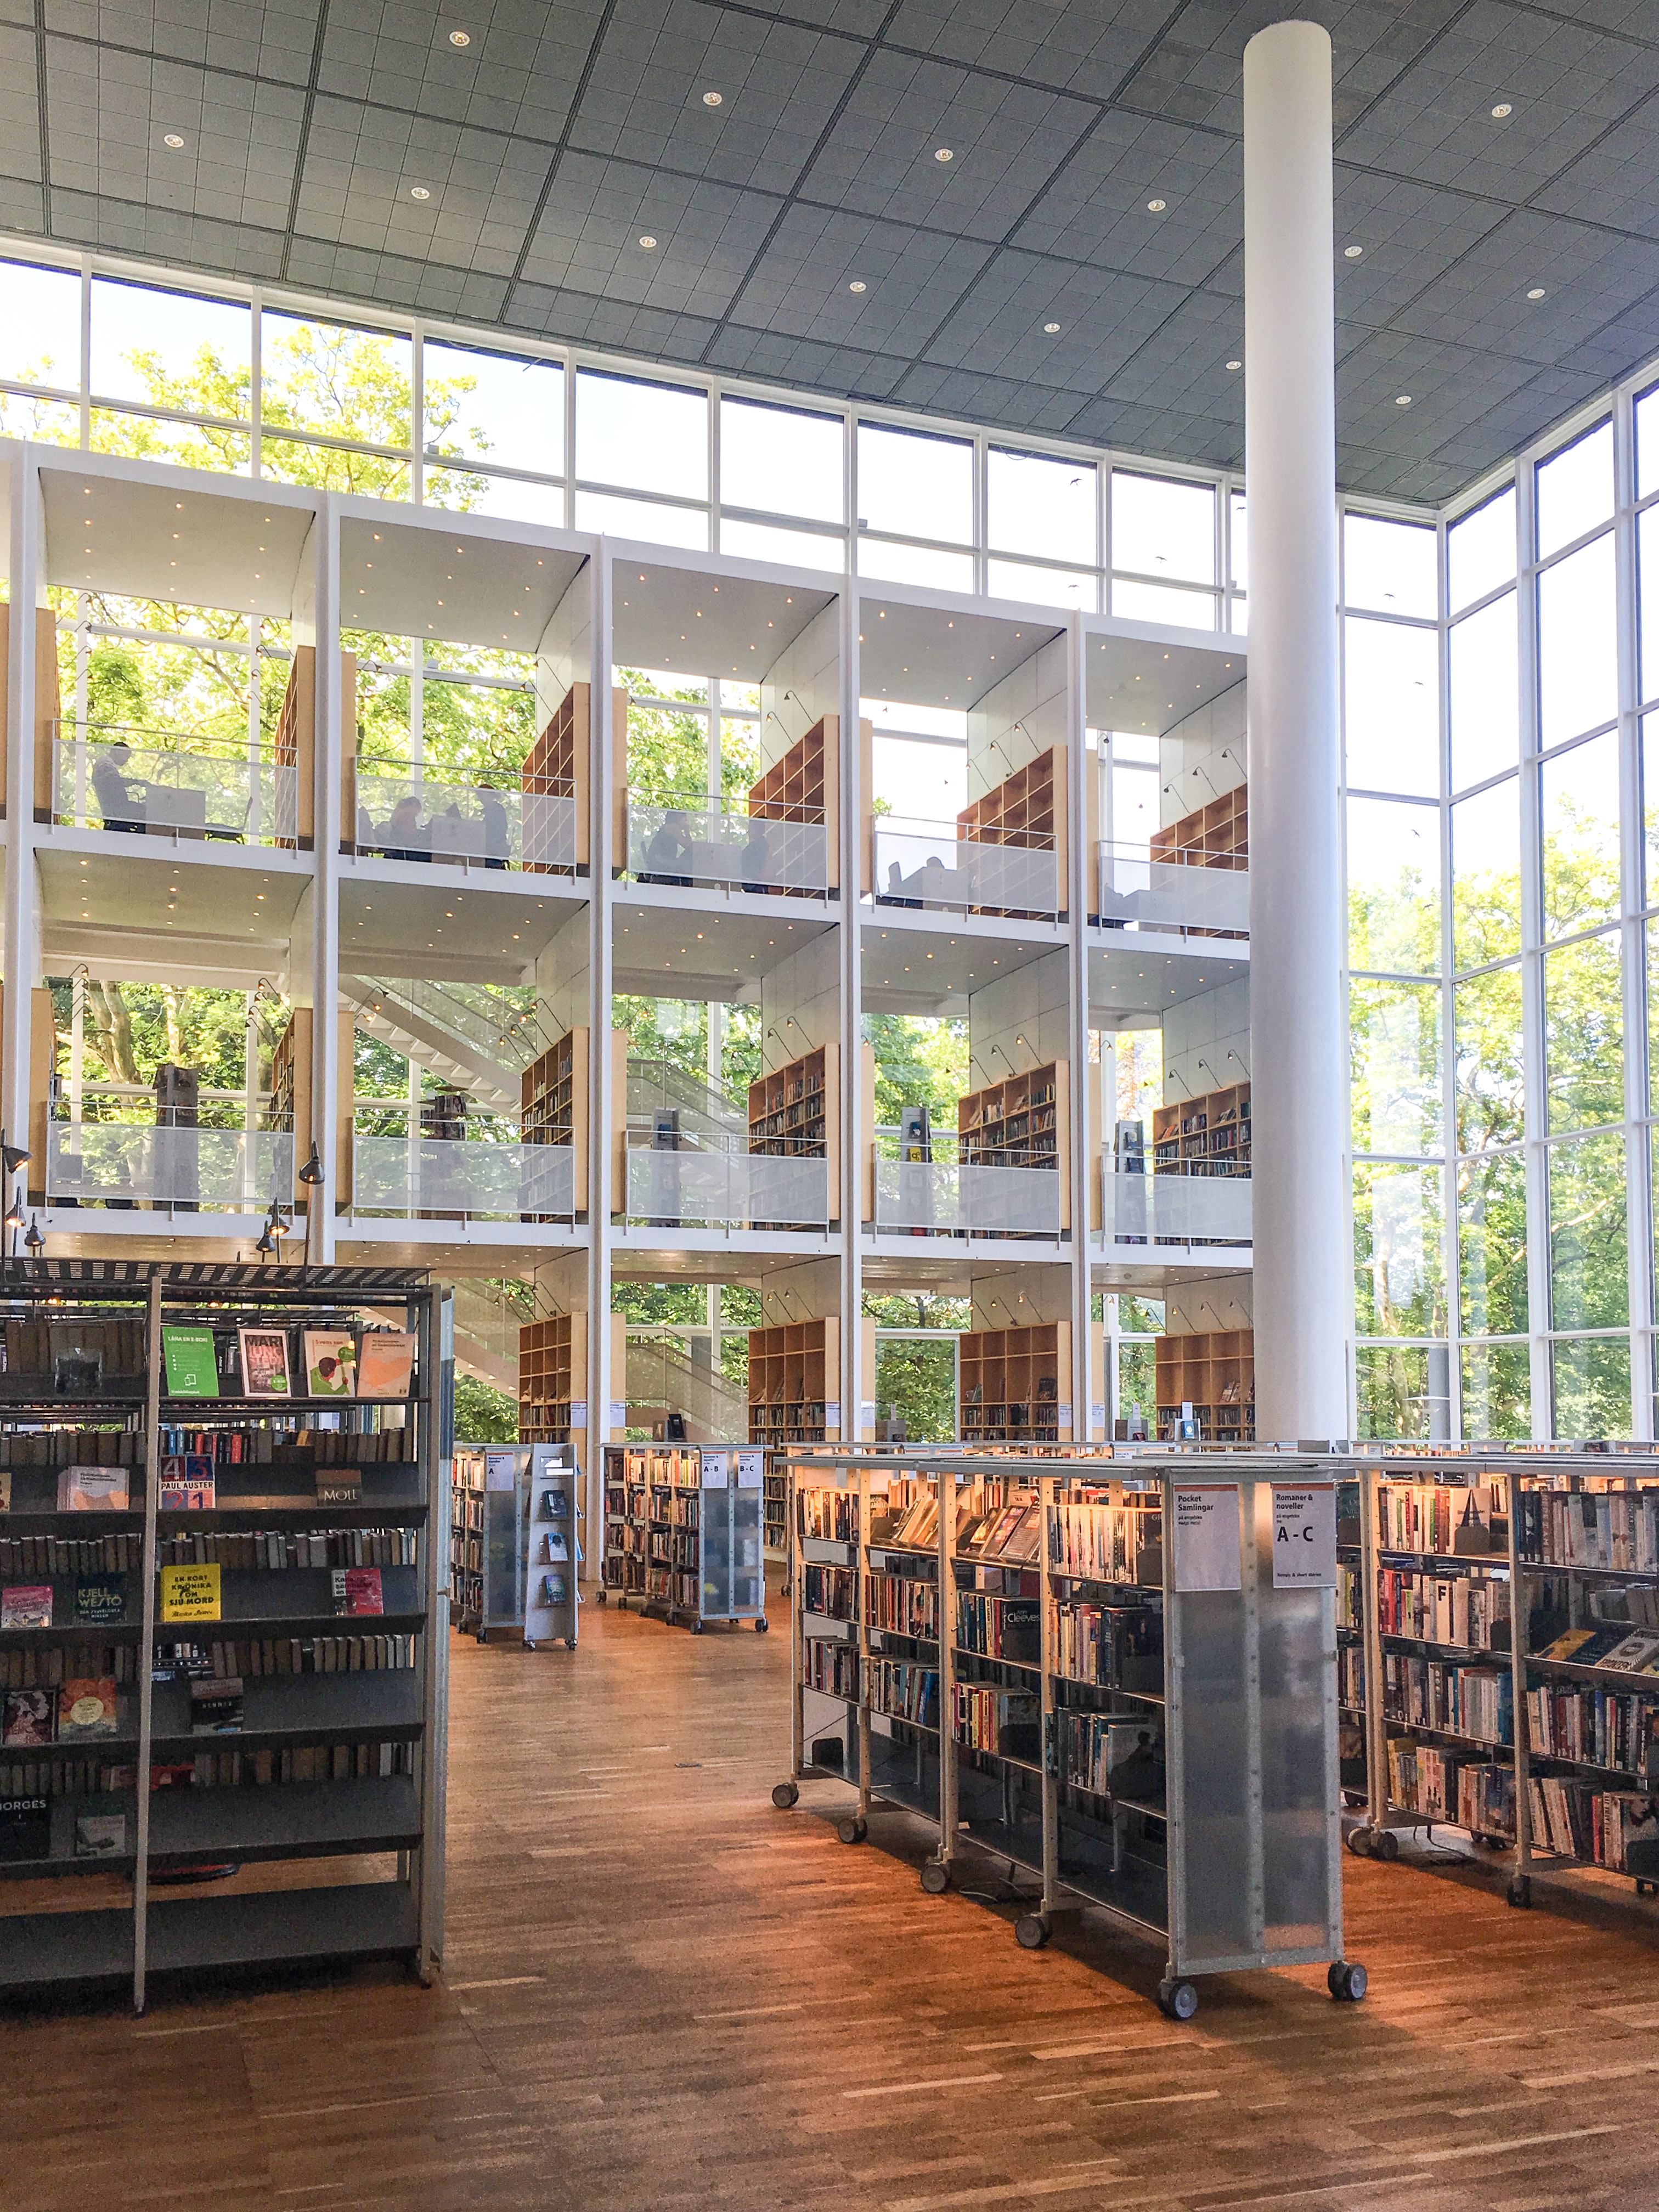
pixel 1301 1299
pixel 854 1135
pixel 22 948
pixel 326 1073
pixel 605 1113
pixel 1080 850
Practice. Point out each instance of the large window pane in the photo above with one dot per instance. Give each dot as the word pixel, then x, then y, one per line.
pixel 1038 505
pixel 797 549
pixel 1497 1392
pixel 1394 887
pixel 1486 707
pixel 153 438
pixel 1578 644
pixel 1239 543
pixel 917 487
pixel 493 406
pixel 783 461
pixel 334 468
pixel 477 491
pixel 1584 1033
pixel 643 517
pixel 1401 1390
pixel 1164 529
pixel 1480 551
pixel 1163 602
pixel 172 349
pixel 1485 856
pixel 1489 1088
pixel 1591 1379
pixel 1590 1267
pixel 346 383
pixel 1395 1051
pixel 39 327
pixel 1491 1245
pixel 1399 1241
pixel 1575 490
pixel 1647 616
pixel 1578 812
pixel 887 563
pixel 1391 688
pixel 1647 442
pixel 1652 933
pixel 1044 587
pixel 1389 567
pixel 652 437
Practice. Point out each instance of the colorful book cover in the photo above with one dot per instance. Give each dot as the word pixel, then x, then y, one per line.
pixel 1568 1643
pixel 193 1368
pixel 386 1363
pixel 27 1719
pixel 555 1589
pixel 1631 1653
pixel 25 1605
pixel 357 1590
pixel 92 1490
pixel 86 1707
pixel 264 1362
pixel 558 1551
pixel 190 1593
pixel 189 1483
pixel 99 1603
pixel 25 1828
pixel 100 1835
pixel 330 1363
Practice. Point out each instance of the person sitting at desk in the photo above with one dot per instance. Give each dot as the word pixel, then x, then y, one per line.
pixel 405 835
pixel 894 895
pixel 668 851
pixel 123 805
pixel 935 883
pixel 493 814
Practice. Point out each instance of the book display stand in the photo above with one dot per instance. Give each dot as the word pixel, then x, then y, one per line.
pixel 548 1510
pixel 1022 1655
pixel 222 1614
pixel 682 1533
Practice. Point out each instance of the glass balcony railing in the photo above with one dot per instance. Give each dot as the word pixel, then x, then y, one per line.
pixel 718 1189
pixel 462 1177
pixel 1173 1209
pixel 944 1199
pixel 1138 892
pixel 929 864
pixel 702 844
pixel 125 1164
pixel 142 782
pixel 403 815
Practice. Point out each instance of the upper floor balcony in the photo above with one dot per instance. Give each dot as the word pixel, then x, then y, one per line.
pixel 942 868
pixel 1192 877
pixel 950 1194
pixel 442 1160
pixel 113 1148
pixel 730 845
pixel 401 810
pixel 142 782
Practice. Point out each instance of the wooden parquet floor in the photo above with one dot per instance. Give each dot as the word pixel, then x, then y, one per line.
pixel 660 1993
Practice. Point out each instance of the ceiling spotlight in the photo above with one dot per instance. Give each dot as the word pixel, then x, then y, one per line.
pixel 1053 329
pixel 173 140
pixel 419 192
pixel 713 99
pixel 944 154
pixel 857 284
pixel 1156 207
pixel 460 38
pixel 647 241
pixel 1403 400
pixel 1501 109
pixel 1536 293
pixel 1352 252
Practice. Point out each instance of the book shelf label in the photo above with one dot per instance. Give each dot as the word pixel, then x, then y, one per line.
pixel 832 1413
pixel 1305 1537
pixel 500 1470
pixel 579 1412
pixel 1206 1538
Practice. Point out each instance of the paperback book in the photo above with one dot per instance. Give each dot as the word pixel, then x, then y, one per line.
pixel 216 1705
pixel 100 1835
pixel 25 1720
pixel 190 1593
pixel 189 1483
pixel 86 1708
pixel 99 1603
pixel 264 1362
pixel 386 1363
pixel 192 1369
pixel 24 1829
pixel 5 1490
pixel 330 1363
pixel 92 1490
pixel 357 1590
pixel 25 1605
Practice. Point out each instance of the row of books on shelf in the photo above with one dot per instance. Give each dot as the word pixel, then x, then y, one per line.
pixel 902 1605
pixel 832 1668
pixel 1476 1794
pixel 37 1448
pixel 81 1707
pixel 1350 1596
pixel 1613 1644
pixel 118 1342
pixel 832 1515
pixel 1006 1722
pixel 1476 1702
pixel 27 1557
pixel 903 1692
pixel 1468 1610
pixel 45 1666
pixel 278 1550
pixel 1095 1541
pixel 186 1592
pixel 1425 1517
pixel 1006 1629
pixel 672 1588
pixel 1618 1729
pixel 315 1762
pixel 234 1656
pixel 204 1362
pixel 1615 1828
pixel 828 1591
pixel 677 1464
pixel 1633 1605
pixel 672 1548
pixel 1110 1647
pixel 270 1444
pixel 1616 1530
pixel 1112 1757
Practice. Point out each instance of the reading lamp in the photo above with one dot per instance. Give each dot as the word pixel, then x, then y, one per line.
pixel 35 1242
pixel 266 1245
pixel 312 1172
pixel 12 1156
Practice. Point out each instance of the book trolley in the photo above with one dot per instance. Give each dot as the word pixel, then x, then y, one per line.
pixel 1145 1726
pixel 1508 1605
pixel 683 1534
pixel 255 1590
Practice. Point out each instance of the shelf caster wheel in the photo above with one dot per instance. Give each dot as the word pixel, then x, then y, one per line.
pixel 784 1795
pixel 529 1644
pixel 602 1595
pixel 1347 1981
pixel 762 1625
pixel 696 1628
pixel 1519 1892
pixel 484 1636
pixel 854 1829
pixel 621 1604
pixel 570 1643
pixel 1031 1931
pixel 1647 1888
pixel 1179 2000
pixel 1359 1842
pixel 1385 1845
pixel 935 1877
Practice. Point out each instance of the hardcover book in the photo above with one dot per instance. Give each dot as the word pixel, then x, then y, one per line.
pixel 99 1603
pixel 554 1505
pixel 100 1835
pixel 264 1362
pixel 216 1706
pixel 330 1363
pixel 558 1550
pixel 192 1369
pixel 92 1490
pixel 28 1720
pixel 25 1605
pixel 181 1662
pixel 86 1708
pixel 556 1590
pixel 190 1593
pixel 25 1828
pixel 386 1363
pixel 5 1490
pixel 189 1483
pixel 357 1590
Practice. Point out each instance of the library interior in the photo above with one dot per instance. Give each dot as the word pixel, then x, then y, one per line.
pixel 958 1293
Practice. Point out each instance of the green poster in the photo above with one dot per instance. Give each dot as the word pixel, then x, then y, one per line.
pixel 192 1369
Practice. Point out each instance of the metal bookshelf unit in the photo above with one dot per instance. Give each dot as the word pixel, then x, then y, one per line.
pixel 1144 1726
pixel 280 1722
pixel 682 1533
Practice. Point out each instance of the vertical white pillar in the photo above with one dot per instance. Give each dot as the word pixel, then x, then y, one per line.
pixel 333 739
pixel 1301 1295
pixel 22 940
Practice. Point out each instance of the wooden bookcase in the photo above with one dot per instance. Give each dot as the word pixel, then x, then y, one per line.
pixel 553 1105
pixel 1023 1122
pixel 1212 837
pixel 552 1376
pixel 45 709
pixel 1027 808
pixel 1207 1135
pixel 294 746
pixel 794 1384
pixel 1215 1374
pixel 804 786
pixel 556 768
pixel 290 1097
pixel 1015 1385
pixel 795 1113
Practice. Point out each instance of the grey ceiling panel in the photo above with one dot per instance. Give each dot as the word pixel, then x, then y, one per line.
pixel 564 130
pixel 779 84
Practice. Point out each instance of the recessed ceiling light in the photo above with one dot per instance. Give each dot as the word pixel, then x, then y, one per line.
pixel 857 284
pixel 419 192
pixel 1536 293
pixel 1352 252
pixel 1156 207
pixel 1233 364
pixel 647 241
pixel 944 154
pixel 460 38
pixel 1503 108
pixel 1053 329
pixel 1403 400
pixel 713 99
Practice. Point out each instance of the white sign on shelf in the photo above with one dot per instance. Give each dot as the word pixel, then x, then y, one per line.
pixel 832 1413
pixel 1305 1537
pixel 1063 1416
pixel 579 1412
pixel 1206 1537
pixel 750 1466
pixel 715 1467
pixel 500 1468
pixel 619 1412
